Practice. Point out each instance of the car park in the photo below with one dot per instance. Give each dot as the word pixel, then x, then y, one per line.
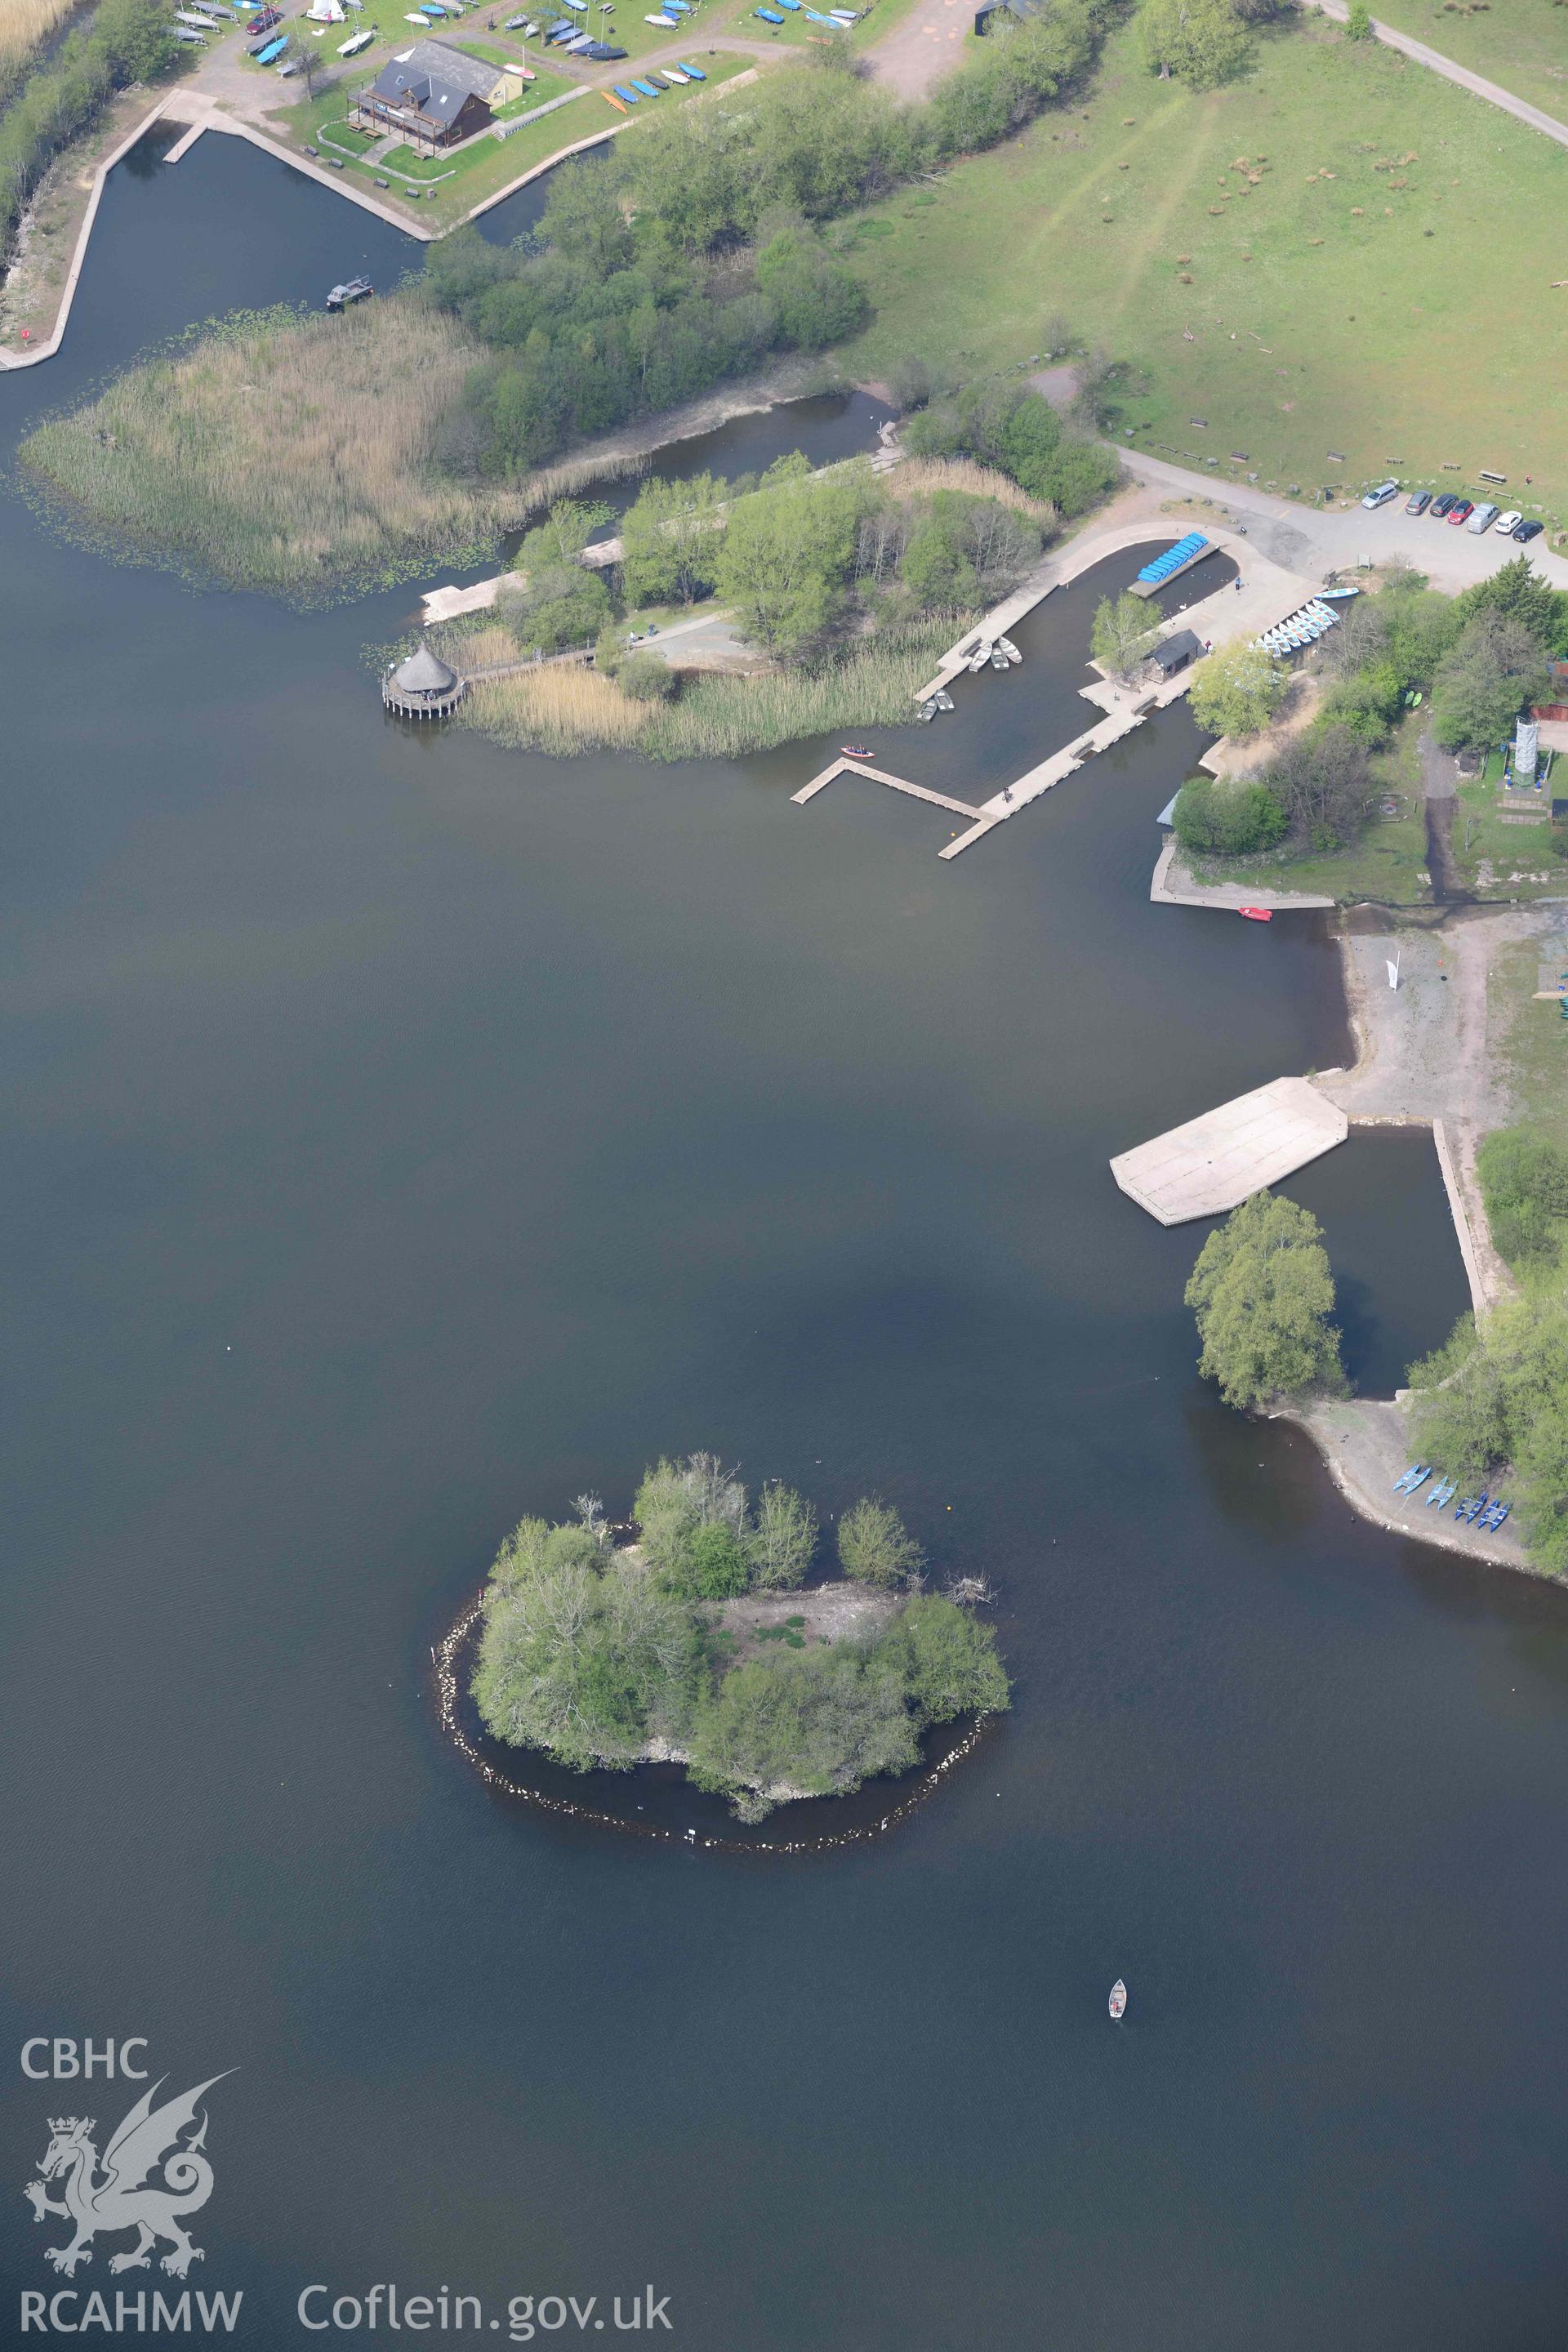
pixel 1529 531
pixel 1461 510
pixel 1443 504
pixel 1381 496
pixel 1507 524
pixel 1418 501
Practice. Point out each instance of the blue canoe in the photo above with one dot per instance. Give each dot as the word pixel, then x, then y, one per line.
pixel 629 95
pixel 648 89
pixel 695 72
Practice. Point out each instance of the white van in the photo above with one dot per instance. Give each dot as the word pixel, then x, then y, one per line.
pixel 1381 496
pixel 1485 514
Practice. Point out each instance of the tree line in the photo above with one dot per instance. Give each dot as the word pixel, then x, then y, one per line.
pixel 809 563
pixel 125 41
pixel 589 1651
pixel 693 248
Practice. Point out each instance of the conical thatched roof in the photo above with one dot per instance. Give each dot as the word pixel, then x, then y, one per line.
pixel 424 673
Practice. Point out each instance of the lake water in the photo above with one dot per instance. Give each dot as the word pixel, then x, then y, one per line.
pixel 402 1135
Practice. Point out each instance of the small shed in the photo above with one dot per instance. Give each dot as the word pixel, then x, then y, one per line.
pixel 422 687
pixel 1174 654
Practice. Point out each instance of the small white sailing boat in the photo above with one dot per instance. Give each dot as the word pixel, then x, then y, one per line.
pixel 1118 1998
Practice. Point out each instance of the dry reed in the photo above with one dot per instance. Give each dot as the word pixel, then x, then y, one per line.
pixel 921 477
pixel 285 453
pixel 563 711
pixel 25 26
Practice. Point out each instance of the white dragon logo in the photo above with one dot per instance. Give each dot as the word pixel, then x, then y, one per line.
pixel 125 2198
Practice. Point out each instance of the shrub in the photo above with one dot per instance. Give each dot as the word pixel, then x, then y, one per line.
pixel 1366 704
pixel 815 300
pixel 713 1565
pixel 646 678
pixel 874 1547
pixel 1524 1181
pixel 820 1720
pixel 1228 820
pixel 950 1663
pixel 1323 782
pixel 1203 41
pixel 1264 1297
pixel 783 1537
pixel 1238 690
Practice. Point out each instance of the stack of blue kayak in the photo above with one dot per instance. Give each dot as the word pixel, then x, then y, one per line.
pixel 1174 558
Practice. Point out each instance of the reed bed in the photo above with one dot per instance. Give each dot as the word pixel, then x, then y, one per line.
pixel 25 26
pixel 564 711
pixel 921 477
pixel 284 452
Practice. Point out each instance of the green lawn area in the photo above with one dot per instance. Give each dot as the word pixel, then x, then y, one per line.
pixel 1488 853
pixel 1318 314
pixel 797 32
pixel 1521 45
pixel 1535 1038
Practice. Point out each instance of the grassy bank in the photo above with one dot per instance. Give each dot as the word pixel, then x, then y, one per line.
pixel 168 458
pixel 563 711
pixel 1298 308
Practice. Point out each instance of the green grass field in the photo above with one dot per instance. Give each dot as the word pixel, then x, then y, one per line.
pixel 797 32
pixel 1521 45
pixel 1376 283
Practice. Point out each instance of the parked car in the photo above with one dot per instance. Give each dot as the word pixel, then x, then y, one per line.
pixel 1381 496
pixel 1482 518
pixel 1461 510
pixel 1507 524
pixel 1444 504
pixel 1418 501
pixel 1529 531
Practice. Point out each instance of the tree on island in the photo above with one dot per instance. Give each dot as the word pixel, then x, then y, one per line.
pixel 876 1547
pixel 1124 634
pixel 591 1653
pixel 1263 1294
pixel 1238 690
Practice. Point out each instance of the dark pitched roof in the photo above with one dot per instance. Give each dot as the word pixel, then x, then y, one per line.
pixel 435 80
pixel 1173 653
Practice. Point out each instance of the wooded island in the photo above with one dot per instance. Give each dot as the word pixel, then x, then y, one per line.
pixel 700 1643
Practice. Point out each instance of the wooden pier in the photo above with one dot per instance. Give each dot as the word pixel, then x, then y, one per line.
pixel 881 776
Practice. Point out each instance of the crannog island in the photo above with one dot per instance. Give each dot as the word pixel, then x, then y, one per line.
pixel 701 1644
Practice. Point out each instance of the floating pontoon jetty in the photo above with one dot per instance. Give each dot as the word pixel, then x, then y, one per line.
pixel 1216 1162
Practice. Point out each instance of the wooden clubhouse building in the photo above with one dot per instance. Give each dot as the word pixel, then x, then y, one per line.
pixel 433 97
